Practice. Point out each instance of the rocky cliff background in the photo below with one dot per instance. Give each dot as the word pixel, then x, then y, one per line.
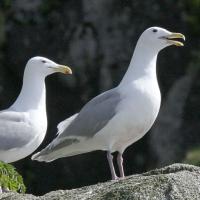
pixel 97 39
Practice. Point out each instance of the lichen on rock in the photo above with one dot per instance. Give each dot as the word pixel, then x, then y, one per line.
pixel 177 181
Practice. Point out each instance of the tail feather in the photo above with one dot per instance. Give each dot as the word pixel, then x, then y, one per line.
pixel 43 157
pixel 46 155
pixel 53 156
pixel 61 148
pixel 38 157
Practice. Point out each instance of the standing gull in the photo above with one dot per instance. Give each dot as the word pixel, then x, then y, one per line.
pixel 23 126
pixel 118 117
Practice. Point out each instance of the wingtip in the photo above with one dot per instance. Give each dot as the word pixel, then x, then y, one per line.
pixel 35 156
pixel 40 158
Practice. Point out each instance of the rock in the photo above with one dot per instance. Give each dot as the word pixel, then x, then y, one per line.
pixel 177 181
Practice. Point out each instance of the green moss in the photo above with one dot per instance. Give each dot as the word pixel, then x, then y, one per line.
pixel 10 178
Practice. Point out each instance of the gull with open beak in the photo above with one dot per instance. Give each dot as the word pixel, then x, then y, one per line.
pixel 169 38
pixel 23 125
pixel 119 117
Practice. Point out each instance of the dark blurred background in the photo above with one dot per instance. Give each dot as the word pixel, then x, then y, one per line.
pixel 97 39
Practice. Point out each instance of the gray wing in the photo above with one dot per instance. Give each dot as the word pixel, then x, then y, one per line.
pixel 92 118
pixel 14 131
pixel 94 115
pixel 64 124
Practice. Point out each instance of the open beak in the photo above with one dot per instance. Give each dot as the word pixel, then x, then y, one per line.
pixel 170 39
pixel 62 68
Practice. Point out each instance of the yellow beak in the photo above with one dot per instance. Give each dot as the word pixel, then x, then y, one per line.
pixel 172 36
pixel 62 68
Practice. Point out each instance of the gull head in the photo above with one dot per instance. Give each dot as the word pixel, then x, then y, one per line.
pixel 46 66
pixel 159 38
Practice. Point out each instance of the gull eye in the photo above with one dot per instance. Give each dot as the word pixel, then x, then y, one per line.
pixel 43 61
pixel 155 30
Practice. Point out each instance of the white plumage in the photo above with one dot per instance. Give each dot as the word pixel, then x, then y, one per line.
pixel 119 117
pixel 23 126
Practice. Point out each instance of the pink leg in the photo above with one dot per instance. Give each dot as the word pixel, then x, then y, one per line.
pixel 112 169
pixel 120 164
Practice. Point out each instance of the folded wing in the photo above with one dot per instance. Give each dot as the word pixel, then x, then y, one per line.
pixel 90 120
pixel 14 130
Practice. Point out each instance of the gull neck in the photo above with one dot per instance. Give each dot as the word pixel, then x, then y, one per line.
pixel 143 64
pixel 33 92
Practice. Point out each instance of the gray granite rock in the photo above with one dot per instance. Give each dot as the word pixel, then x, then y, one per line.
pixel 177 181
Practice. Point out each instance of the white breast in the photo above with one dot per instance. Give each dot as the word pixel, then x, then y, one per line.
pixel 136 114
